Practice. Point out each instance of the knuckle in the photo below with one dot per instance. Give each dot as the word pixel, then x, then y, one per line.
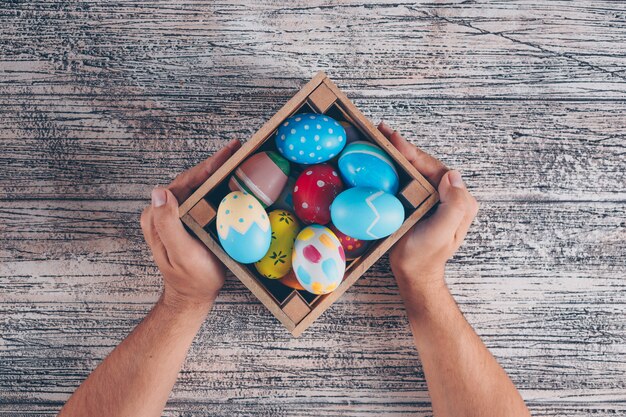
pixel 458 199
pixel 473 206
pixel 144 219
pixel 180 179
pixel 160 222
pixel 177 263
pixel 413 154
pixel 209 166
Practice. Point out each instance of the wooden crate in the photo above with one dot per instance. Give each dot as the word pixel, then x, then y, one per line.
pixel 296 309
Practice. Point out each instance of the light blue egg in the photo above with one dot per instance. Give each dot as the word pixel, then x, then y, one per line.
pixel 248 247
pixel 366 213
pixel 363 164
pixel 243 227
pixel 310 138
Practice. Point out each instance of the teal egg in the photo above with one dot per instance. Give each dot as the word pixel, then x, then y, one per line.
pixel 366 213
pixel 243 227
pixel 363 164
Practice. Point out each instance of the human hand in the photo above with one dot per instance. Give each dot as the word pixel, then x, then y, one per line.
pixel 418 259
pixel 192 274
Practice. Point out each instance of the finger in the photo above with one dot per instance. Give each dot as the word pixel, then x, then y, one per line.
pixel 185 183
pixel 429 166
pixel 152 238
pixel 453 205
pixel 470 211
pixel 170 230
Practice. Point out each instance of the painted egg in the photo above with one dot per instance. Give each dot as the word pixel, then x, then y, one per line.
pixel 367 213
pixel 277 261
pixel 243 227
pixel 285 199
pixel 315 189
pixel 318 259
pixel 353 248
pixel 363 164
pixel 291 281
pixel 263 175
pixel 352 133
pixel 310 138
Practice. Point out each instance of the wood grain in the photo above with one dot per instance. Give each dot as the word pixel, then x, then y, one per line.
pixel 100 101
pixel 505 147
pixel 559 336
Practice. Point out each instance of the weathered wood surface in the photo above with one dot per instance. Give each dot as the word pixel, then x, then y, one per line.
pixel 101 101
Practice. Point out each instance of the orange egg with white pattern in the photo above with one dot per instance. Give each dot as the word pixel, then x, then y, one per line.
pixel 318 261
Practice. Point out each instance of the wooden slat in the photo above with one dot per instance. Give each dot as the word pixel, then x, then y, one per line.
pixel 101 101
pixel 509 149
pixel 203 212
pixel 322 98
pixel 556 49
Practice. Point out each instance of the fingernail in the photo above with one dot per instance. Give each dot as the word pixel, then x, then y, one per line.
pixel 385 125
pixel 159 197
pixel 455 179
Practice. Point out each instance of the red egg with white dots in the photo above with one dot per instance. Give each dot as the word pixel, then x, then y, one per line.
pixel 314 191
pixel 352 247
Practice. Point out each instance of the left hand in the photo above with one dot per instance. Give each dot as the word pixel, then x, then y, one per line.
pixel 418 259
pixel 192 274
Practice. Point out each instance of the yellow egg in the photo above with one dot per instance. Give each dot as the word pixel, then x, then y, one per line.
pixel 277 261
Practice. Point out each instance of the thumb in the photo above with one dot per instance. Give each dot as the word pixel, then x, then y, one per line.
pixel 453 197
pixel 166 222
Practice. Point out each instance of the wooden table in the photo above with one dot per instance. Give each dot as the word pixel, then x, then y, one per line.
pixel 100 101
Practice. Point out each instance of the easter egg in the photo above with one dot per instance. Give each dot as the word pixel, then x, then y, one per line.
pixel 263 175
pixel 316 187
pixel 352 133
pixel 277 261
pixel 291 281
pixel 243 227
pixel 285 199
pixel 310 138
pixel 318 259
pixel 353 248
pixel 363 164
pixel 367 213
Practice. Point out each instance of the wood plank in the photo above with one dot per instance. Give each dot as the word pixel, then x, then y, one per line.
pixel 507 150
pixel 177 48
pixel 80 250
pixel 303 408
pixel 102 101
pixel 545 296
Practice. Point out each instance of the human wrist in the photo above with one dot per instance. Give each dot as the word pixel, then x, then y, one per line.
pixel 181 304
pixel 421 290
pixel 419 278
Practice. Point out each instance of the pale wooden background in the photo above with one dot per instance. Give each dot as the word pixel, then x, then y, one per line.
pixel 100 101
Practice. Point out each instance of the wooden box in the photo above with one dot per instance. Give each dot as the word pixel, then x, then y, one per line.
pixel 294 308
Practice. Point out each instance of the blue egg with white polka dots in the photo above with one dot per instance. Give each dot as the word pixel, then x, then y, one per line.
pixel 310 138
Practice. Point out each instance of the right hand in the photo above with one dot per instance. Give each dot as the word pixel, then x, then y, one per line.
pixel 418 259
pixel 192 274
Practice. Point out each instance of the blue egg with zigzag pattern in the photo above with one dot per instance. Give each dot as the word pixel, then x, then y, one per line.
pixel 366 213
